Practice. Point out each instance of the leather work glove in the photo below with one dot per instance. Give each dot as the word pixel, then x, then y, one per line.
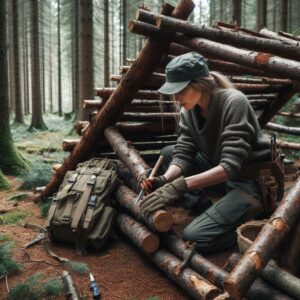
pixel 151 184
pixel 165 195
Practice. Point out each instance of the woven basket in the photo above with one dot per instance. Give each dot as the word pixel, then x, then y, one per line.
pixel 247 233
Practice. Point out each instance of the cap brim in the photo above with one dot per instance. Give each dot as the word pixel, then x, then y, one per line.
pixel 170 88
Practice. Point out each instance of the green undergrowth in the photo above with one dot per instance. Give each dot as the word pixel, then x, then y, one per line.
pixel 38 175
pixel 35 288
pixel 77 267
pixel 7 265
pixel 13 217
pixel 4 185
pixel 44 207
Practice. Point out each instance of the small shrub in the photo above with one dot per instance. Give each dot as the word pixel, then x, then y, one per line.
pixel 13 217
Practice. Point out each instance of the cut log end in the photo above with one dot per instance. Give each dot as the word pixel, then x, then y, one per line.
pixel 150 243
pixel 162 221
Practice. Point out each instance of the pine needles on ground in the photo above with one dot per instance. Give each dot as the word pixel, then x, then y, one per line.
pixel 78 267
pixel 7 265
pixel 34 288
pixel 38 175
pixel 13 217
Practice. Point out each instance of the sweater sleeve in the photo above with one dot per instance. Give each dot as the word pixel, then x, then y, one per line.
pixel 185 148
pixel 237 135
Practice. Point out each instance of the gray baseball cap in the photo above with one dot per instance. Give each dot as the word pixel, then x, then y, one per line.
pixel 181 70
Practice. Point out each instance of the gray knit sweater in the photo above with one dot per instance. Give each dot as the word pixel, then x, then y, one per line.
pixel 230 136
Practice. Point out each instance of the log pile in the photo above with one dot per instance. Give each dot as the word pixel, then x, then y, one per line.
pixel 132 123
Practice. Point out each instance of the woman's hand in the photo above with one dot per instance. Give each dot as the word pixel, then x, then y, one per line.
pixel 151 184
pixel 165 195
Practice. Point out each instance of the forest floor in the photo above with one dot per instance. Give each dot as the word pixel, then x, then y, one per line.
pixel 120 270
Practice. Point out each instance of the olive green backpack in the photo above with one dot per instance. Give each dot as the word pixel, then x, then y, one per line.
pixel 81 211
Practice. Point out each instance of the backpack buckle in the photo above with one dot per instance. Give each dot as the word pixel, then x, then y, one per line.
pixel 73 178
pixel 65 219
pixel 92 180
pixel 92 201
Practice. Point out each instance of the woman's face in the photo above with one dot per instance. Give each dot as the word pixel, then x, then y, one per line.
pixel 188 97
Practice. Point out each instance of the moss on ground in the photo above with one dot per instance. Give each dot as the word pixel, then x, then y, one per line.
pixel 35 288
pixel 13 217
pixel 4 185
pixel 7 265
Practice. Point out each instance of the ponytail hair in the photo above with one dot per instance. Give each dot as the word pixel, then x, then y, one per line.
pixel 209 83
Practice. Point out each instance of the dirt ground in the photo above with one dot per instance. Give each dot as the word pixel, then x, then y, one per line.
pixel 121 271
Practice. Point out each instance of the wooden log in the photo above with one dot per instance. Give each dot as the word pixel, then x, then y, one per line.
pixel 283 97
pixel 283 128
pixel 277 65
pixel 147 117
pixel 260 289
pixel 160 220
pixel 69 144
pixel 288 35
pixel 290 258
pixel 71 292
pixel 288 145
pixel 259 253
pixel 229 37
pixel 276 276
pixel 275 36
pixel 241 79
pixel 195 285
pixel 244 87
pixel 126 152
pixel 131 129
pixel 288 114
pixel 141 94
pixel 148 59
pixel 139 234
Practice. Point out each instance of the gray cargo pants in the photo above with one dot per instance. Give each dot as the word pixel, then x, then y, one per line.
pixel 214 229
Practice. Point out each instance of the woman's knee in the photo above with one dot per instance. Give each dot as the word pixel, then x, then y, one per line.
pixel 167 151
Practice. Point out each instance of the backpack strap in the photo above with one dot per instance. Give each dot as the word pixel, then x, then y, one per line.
pixel 83 202
pixel 89 212
pixel 61 194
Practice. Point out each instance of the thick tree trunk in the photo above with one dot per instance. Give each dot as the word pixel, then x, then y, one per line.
pixel 259 253
pixel 147 61
pixel 59 60
pixel 37 121
pixel 124 31
pixel 237 12
pixel 106 44
pixel 261 14
pixel 86 73
pixel 17 71
pixel 11 161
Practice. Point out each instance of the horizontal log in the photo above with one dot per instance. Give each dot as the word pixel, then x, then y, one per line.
pixel 98 104
pixel 281 66
pixel 289 35
pixel 244 87
pixel 139 234
pixel 241 79
pixel 229 37
pixel 283 128
pixel 269 238
pixel 285 41
pixel 195 285
pixel 160 220
pixel 141 94
pixel 288 145
pixel 142 128
pixel 288 114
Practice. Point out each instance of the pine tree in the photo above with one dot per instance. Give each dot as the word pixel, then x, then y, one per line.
pixel 11 161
